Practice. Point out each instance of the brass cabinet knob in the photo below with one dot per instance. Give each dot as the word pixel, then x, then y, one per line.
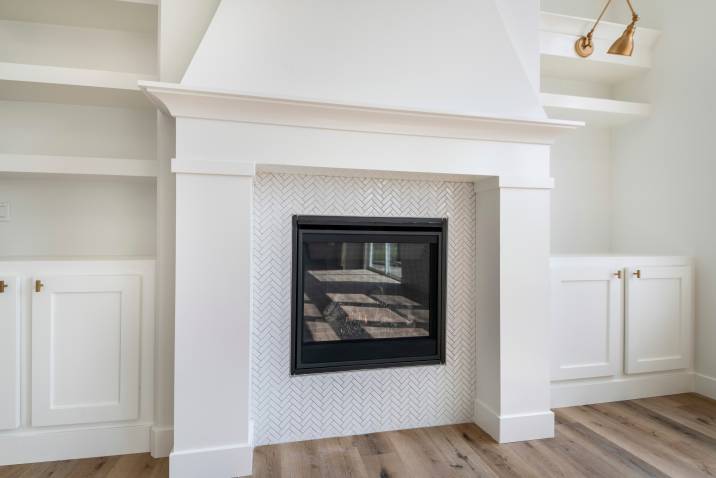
pixel 3 286
pixel 618 274
pixel 39 285
pixel 637 274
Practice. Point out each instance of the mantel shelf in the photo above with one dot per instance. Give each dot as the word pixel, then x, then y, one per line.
pixel 77 165
pixel 594 111
pixel 558 33
pixel 187 102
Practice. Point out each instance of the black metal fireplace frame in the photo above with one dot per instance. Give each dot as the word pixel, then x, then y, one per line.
pixel 403 228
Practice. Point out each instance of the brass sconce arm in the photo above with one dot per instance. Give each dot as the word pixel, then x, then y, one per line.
pixel 624 44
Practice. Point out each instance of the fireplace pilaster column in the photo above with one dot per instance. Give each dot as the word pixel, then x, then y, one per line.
pixel 513 310
pixel 212 430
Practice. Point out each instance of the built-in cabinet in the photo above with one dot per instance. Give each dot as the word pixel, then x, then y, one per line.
pixel 9 352
pixel 616 318
pixel 85 348
pixel 587 311
pixel 658 325
pixel 76 357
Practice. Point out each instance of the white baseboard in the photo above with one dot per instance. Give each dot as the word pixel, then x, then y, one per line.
pixel 705 385
pixel 33 446
pixel 585 392
pixel 512 428
pixel 161 441
pixel 226 462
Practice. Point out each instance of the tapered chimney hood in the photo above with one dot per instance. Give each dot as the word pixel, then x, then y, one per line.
pixel 462 56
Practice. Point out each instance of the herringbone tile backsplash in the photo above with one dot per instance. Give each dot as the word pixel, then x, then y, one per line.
pixel 286 408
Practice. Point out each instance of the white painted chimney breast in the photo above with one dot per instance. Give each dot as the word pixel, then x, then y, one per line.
pixel 449 55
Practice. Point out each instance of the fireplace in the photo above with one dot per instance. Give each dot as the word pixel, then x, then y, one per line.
pixel 367 292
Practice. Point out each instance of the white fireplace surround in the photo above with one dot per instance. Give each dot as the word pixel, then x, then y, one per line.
pixel 224 138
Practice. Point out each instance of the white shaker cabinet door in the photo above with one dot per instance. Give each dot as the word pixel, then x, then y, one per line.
pixel 85 348
pixel 586 317
pixel 658 319
pixel 9 352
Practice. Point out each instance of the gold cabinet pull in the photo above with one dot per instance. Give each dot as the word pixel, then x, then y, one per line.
pixel 39 285
pixel 3 286
pixel 637 274
pixel 618 274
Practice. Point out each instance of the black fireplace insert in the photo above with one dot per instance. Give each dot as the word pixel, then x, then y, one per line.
pixel 367 292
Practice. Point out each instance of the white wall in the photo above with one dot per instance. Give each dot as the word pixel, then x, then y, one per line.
pixel 581 163
pixel 664 168
pixel 77 216
pixel 581 199
pixel 402 53
pixel 79 47
pixel 76 130
pixel 182 24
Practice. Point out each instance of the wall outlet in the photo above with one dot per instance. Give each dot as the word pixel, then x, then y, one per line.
pixel 4 211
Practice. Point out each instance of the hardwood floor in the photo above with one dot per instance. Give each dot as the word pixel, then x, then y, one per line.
pixel 125 466
pixel 656 437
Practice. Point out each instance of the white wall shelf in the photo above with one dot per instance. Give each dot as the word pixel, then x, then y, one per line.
pixel 58 75
pixel 127 15
pixel 56 84
pixel 593 111
pixel 77 165
pixel 558 33
pixel 143 2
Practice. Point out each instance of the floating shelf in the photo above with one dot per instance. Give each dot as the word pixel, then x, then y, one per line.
pixel 55 84
pixel 77 165
pixel 558 33
pixel 127 15
pixel 58 75
pixel 594 111
pixel 144 2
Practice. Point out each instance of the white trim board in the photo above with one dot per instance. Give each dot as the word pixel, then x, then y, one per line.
pixel 230 461
pixel 34 446
pixel 586 392
pixel 161 441
pixel 705 385
pixel 514 428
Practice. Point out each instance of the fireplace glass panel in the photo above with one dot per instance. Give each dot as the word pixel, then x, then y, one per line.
pixel 366 290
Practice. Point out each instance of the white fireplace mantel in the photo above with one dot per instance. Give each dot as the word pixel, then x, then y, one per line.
pixel 223 138
pixel 186 102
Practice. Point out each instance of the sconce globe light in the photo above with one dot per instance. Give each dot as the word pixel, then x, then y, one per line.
pixel 624 45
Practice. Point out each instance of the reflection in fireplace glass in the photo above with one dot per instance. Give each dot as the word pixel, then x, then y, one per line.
pixel 365 290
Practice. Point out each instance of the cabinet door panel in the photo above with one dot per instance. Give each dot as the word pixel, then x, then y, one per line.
pixel 658 321
pixel 85 349
pixel 586 316
pixel 10 354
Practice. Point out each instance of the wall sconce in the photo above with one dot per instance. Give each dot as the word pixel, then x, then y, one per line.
pixel 624 44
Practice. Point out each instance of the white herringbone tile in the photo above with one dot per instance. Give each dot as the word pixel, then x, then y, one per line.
pixel 286 408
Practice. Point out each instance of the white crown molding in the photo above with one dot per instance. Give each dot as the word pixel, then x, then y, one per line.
pixel 186 102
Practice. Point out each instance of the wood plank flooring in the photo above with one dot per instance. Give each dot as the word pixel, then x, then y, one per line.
pixel 672 436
